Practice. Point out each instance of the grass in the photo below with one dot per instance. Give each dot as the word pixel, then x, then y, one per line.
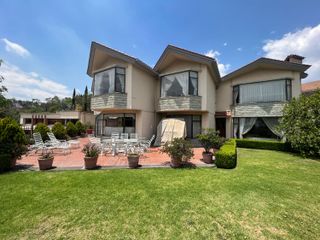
pixel 270 195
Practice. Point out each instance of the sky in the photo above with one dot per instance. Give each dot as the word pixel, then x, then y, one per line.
pixel 45 44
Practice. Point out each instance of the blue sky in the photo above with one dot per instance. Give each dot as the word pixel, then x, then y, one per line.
pixel 55 36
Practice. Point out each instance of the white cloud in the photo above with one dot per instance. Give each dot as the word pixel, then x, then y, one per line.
pixel 223 68
pixel 15 48
pixel 225 44
pixel 239 49
pixel 23 85
pixel 304 42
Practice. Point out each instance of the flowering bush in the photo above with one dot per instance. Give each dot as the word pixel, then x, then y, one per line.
pixel 91 150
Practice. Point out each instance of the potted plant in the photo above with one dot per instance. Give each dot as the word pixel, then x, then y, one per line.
pixel 89 129
pixel 179 150
pixel 209 139
pixel 45 160
pixel 133 157
pixel 91 152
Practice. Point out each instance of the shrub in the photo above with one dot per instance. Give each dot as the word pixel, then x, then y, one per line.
pixel 42 129
pixel 59 130
pixel 210 139
pixel 263 144
pixel 12 142
pixel 226 157
pixel 178 149
pixel 80 128
pixel 91 150
pixel 301 124
pixel 71 129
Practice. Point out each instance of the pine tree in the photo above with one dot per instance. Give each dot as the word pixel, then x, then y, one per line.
pixel 85 101
pixel 73 105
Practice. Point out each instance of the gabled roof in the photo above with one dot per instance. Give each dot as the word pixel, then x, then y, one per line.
pixel 310 86
pixel 191 56
pixel 268 63
pixel 116 54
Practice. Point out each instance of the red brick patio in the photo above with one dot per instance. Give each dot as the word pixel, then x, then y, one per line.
pixel 75 159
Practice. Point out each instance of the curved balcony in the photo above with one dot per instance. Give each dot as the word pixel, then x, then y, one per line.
pixel 109 101
pixel 186 103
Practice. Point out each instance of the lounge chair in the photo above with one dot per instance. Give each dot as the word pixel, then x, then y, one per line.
pixel 58 144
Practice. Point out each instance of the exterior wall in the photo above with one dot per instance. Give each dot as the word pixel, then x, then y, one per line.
pixel 225 91
pixel 204 103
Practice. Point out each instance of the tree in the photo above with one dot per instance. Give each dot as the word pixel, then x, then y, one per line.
pixel 85 100
pixel 73 106
pixel 3 100
pixel 301 124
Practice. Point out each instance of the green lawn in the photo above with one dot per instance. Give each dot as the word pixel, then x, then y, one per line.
pixel 270 195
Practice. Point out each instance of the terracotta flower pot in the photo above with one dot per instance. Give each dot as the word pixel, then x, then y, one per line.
pixel 89 131
pixel 207 157
pixel 90 162
pixel 175 163
pixel 45 164
pixel 133 161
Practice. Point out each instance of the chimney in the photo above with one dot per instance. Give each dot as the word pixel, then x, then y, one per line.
pixel 294 59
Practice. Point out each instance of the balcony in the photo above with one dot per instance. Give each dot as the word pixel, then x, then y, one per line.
pixel 187 103
pixel 268 109
pixel 109 101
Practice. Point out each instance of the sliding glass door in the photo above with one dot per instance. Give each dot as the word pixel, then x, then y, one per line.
pixel 115 123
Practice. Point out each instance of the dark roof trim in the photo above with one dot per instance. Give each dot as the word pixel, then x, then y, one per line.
pixel 262 62
pixel 193 56
pixel 116 54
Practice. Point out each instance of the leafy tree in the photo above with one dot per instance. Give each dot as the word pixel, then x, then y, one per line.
pixel 85 100
pixel 80 128
pixel 301 124
pixel 59 130
pixel 73 106
pixel 71 129
pixel 42 129
pixel 3 100
pixel 12 142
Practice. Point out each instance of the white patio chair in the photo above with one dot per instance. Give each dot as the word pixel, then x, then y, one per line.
pixel 115 135
pixel 147 143
pixel 133 135
pixel 58 144
pixel 38 143
pixel 124 136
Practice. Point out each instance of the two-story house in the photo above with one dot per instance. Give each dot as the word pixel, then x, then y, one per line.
pixel 129 96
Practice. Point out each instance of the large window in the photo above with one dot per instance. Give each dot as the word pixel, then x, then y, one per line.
pixel 119 123
pixel 179 84
pixel 109 81
pixel 268 91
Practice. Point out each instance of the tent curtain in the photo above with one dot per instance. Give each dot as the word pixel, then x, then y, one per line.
pixel 272 123
pixel 246 125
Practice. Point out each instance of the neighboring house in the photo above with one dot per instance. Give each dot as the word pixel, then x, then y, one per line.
pixel 309 88
pixel 28 121
pixel 129 96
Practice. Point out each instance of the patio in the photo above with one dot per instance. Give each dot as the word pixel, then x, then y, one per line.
pixel 74 160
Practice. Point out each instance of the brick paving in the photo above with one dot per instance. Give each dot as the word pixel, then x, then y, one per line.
pixel 75 159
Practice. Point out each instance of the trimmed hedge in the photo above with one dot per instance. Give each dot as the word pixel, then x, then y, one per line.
pixel 264 144
pixel 226 157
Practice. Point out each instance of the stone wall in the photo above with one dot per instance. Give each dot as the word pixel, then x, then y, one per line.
pixel 258 110
pixel 179 103
pixel 111 100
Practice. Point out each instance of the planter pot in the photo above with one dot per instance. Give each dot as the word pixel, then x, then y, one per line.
pixel 175 163
pixel 90 162
pixel 89 131
pixel 45 164
pixel 133 161
pixel 207 157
